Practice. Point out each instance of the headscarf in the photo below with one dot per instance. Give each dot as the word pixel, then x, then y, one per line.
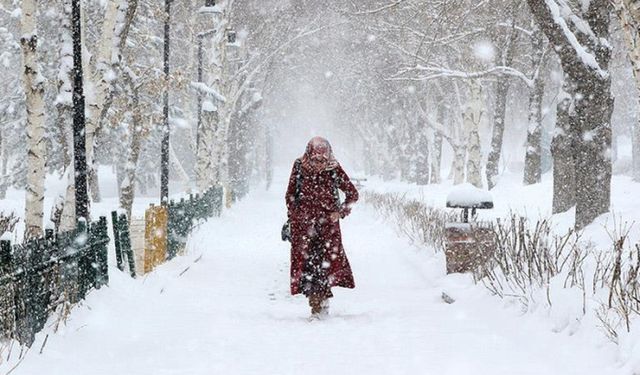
pixel 319 146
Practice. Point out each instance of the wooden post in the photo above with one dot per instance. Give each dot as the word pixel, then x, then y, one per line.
pixel 155 248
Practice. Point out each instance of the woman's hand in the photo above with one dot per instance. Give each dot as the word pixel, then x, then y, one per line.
pixel 345 210
pixel 334 217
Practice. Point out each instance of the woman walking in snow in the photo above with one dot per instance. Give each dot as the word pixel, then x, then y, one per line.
pixel 318 260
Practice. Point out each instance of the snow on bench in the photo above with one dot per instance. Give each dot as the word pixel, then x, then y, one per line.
pixel 469 196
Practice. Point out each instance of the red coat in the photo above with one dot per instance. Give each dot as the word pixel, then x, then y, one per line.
pixel 316 202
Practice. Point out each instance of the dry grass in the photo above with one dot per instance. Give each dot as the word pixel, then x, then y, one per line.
pixel 530 257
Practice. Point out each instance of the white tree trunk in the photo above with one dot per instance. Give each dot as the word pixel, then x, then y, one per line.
pixel 460 152
pixel 436 152
pixel 205 175
pixel 472 117
pixel 102 85
pixel 33 83
pixel 68 217
pixel 628 12
pixel 220 152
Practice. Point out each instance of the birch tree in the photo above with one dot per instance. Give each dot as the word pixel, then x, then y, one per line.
pixel 101 77
pixel 472 118
pixel 33 83
pixel 628 12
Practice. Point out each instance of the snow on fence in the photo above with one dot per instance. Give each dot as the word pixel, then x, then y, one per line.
pixel 52 273
pixel 184 214
pixel 534 265
pixel 38 276
pixel 164 230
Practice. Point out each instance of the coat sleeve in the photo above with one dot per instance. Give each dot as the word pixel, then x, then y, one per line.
pixel 290 196
pixel 350 191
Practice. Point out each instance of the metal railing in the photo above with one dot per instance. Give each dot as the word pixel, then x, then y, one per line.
pixel 39 275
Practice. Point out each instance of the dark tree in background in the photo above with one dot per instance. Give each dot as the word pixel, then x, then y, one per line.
pixel 79 144
pixel 164 152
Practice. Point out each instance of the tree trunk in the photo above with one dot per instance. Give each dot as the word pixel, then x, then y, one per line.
pixel 628 13
pixel 593 154
pixel 472 118
pixel 205 175
pixel 128 186
pixel 68 216
pixel 502 89
pixel 587 70
pixel 64 100
pixel 498 131
pixel 64 105
pixel 436 159
pixel 102 87
pixel 563 163
pixel 459 155
pixel 33 83
pixel 436 154
pixel 533 155
pixel 219 82
pixel 422 156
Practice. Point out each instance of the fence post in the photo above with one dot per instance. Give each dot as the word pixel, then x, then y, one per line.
pixel 174 226
pixel 125 243
pixel 7 311
pixel 38 288
pixel 5 258
pixel 101 239
pixel 80 246
pixel 116 239
pixel 218 200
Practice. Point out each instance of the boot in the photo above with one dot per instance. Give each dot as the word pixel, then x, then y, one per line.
pixel 315 301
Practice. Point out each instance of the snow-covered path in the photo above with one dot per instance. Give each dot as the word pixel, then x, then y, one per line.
pixel 224 308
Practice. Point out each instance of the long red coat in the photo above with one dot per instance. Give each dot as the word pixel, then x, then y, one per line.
pixel 315 203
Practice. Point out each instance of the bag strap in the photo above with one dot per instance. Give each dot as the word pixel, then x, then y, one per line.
pixel 336 193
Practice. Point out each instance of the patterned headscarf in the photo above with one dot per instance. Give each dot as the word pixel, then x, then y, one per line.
pixel 319 146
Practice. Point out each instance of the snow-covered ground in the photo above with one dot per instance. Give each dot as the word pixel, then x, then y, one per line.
pixel 224 308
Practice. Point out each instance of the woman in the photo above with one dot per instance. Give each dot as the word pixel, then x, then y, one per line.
pixel 318 260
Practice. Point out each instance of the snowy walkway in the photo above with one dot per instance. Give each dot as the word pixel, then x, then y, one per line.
pixel 230 313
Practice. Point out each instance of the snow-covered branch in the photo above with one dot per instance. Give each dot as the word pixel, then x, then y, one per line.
pixel 438 73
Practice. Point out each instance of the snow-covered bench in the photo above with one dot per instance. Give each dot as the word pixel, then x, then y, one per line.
pixel 469 197
pixel 469 245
